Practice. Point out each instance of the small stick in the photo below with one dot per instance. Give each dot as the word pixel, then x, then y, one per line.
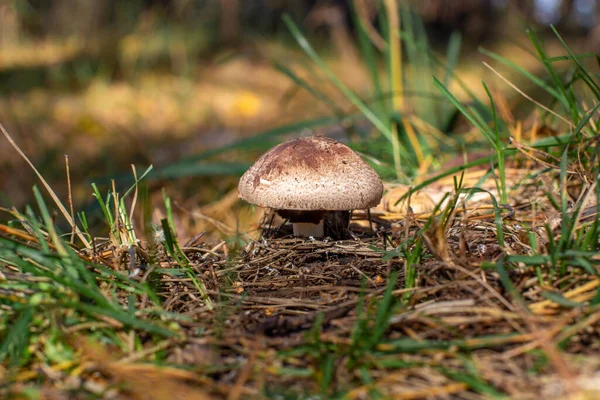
pixel 134 270
pixel 370 220
pixel 280 226
pixel 267 234
pixel 117 225
pixel 537 103
pixel 70 194
pixel 135 196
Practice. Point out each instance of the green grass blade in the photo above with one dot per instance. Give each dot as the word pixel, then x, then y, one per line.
pixel 317 94
pixel 384 309
pixel 369 55
pixel 591 82
pixel 499 147
pixel 14 345
pixel 531 77
pixel 567 99
pixel 189 165
pixel 353 98
pixel 560 299
pixel 485 130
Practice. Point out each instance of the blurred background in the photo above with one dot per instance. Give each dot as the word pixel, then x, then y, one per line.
pixel 170 82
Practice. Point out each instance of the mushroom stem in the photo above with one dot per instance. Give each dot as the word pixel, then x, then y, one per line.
pixel 307 229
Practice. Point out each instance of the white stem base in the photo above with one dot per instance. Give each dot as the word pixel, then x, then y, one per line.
pixel 307 229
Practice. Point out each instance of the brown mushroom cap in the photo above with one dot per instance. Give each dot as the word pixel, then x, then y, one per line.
pixel 313 173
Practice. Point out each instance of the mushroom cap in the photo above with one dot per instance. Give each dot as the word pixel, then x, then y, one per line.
pixel 312 173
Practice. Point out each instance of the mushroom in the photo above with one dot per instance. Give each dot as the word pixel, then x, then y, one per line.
pixel 304 179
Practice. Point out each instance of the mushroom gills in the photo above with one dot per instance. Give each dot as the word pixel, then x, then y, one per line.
pixel 307 229
pixel 305 223
pixel 337 224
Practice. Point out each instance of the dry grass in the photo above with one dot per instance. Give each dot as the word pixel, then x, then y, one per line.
pixel 282 304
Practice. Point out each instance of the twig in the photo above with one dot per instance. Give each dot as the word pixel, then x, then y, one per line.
pixel 537 103
pixel 70 194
